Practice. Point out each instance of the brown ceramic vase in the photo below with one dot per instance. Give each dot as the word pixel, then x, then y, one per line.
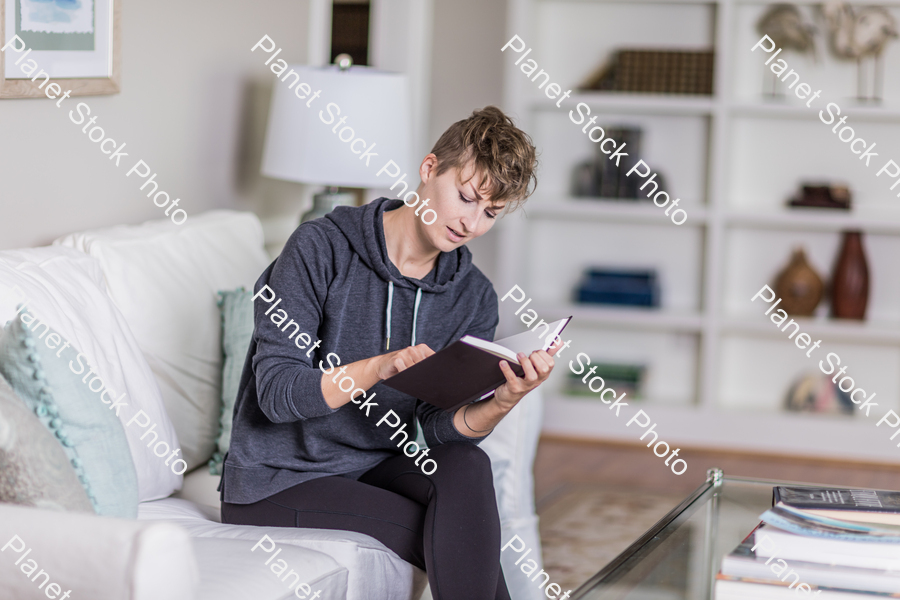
pixel 799 286
pixel 850 281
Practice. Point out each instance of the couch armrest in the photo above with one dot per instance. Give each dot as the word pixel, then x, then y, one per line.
pixel 93 557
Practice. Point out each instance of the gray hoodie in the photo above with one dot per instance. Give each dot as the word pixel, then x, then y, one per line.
pixel 337 283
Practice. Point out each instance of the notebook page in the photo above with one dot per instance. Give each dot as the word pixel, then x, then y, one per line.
pixel 530 341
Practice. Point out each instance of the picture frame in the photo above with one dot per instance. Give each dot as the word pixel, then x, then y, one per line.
pixel 77 42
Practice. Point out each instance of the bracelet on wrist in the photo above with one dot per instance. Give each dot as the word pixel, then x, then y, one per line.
pixel 465 410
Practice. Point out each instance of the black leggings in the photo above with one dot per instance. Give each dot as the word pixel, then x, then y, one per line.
pixel 445 523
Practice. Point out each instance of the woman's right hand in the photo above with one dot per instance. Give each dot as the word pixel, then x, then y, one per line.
pixel 367 372
pixel 388 365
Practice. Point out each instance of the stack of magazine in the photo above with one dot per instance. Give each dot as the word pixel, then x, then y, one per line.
pixel 825 542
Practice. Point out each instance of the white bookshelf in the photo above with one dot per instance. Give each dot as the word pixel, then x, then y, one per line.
pixel 717 368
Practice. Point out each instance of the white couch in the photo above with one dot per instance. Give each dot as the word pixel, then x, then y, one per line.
pixel 150 294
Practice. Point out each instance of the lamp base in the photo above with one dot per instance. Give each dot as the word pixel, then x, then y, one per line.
pixel 324 203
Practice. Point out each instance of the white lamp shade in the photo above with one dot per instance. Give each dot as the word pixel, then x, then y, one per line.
pixel 303 145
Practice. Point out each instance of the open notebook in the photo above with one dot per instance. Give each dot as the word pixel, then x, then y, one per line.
pixel 469 368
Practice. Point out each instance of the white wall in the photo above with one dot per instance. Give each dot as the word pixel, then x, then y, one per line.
pixel 193 106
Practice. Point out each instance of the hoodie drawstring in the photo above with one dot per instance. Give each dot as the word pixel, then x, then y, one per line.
pixel 390 303
pixel 416 314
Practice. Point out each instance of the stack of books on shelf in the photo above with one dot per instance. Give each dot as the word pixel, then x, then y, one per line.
pixel 600 177
pixel 621 287
pixel 824 542
pixel 627 378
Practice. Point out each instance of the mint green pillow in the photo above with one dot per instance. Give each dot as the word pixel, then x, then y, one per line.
pixel 89 432
pixel 237 330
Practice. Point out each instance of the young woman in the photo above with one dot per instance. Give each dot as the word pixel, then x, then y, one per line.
pixel 365 293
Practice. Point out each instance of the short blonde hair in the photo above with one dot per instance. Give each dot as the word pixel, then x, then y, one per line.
pixel 503 154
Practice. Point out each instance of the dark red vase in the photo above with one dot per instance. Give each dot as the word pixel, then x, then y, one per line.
pixel 850 282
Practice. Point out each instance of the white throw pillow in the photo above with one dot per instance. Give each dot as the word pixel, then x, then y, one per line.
pixel 164 278
pixel 67 291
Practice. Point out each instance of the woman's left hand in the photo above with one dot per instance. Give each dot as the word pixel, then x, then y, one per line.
pixel 537 368
pixel 475 420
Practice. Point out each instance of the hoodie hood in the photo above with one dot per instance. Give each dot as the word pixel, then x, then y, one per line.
pixel 358 224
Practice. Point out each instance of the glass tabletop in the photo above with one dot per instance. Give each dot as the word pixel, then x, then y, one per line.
pixel 678 558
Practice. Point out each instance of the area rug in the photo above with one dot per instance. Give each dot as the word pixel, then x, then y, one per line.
pixel 585 527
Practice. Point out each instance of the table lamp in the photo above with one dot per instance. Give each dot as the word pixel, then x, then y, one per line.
pixel 329 139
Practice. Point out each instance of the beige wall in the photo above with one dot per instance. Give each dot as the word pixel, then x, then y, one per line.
pixel 467 73
pixel 467 69
pixel 192 106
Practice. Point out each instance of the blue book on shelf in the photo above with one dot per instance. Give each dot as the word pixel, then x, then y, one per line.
pixel 620 287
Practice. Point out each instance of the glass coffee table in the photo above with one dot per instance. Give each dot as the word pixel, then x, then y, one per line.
pixel 678 558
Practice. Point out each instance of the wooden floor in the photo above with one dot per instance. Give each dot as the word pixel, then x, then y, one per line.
pixel 562 461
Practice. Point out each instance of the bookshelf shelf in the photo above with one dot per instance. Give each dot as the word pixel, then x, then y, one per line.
pixel 800 435
pixel 636 318
pixel 799 111
pixel 868 332
pixel 736 157
pixel 610 209
pixel 816 220
pixel 634 103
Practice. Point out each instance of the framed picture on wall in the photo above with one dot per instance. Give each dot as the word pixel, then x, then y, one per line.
pixel 76 42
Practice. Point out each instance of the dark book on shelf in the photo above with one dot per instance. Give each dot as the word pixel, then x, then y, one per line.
pixel 621 287
pixel 605 178
pixel 609 179
pixel 628 186
pixel 621 377
pixel 656 71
